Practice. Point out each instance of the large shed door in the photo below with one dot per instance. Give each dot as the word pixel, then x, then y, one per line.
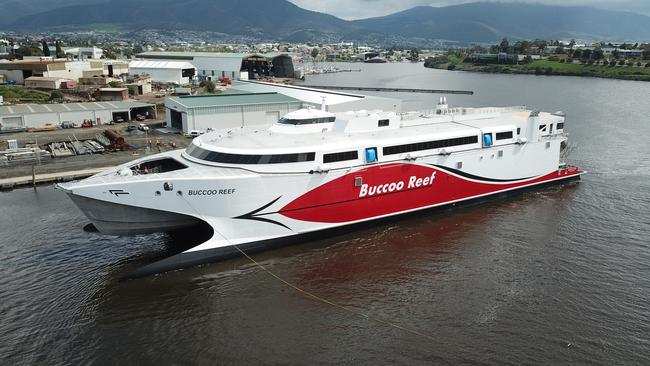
pixel 176 118
pixel 272 117
pixel 10 123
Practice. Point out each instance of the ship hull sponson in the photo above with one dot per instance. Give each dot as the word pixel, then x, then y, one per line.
pixel 117 219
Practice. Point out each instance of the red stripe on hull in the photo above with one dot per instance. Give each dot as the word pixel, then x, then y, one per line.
pixel 394 188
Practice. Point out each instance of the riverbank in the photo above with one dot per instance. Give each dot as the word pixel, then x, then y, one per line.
pixel 545 67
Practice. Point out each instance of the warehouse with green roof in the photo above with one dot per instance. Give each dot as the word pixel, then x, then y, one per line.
pixel 223 111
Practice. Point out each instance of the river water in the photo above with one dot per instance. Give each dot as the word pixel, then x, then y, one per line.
pixel 557 276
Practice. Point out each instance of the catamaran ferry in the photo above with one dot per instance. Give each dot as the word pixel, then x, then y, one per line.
pixel 314 170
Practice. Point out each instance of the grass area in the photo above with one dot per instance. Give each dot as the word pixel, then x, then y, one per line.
pixel 545 67
pixel 16 93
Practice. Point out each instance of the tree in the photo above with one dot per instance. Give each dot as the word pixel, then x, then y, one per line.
pixel 56 95
pixel 597 54
pixel 540 44
pixel 504 45
pixel 586 54
pixel 522 47
pixel 646 54
pixel 59 50
pixel 415 55
pixel 577 53
pixel 29 51
pixel 210 87
pixel 46 48
pixel 314 52
pixel 137 49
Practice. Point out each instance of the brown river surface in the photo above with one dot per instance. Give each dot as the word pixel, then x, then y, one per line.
pixel 556 276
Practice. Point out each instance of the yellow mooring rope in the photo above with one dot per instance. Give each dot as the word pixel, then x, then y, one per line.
pixel 312 295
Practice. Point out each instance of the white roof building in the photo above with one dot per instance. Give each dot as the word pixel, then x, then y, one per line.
pixel 176 72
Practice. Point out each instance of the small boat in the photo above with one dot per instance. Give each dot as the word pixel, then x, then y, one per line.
pixel 375 60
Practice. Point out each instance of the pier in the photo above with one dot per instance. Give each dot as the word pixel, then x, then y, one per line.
pixel 397 90
pixel 34 179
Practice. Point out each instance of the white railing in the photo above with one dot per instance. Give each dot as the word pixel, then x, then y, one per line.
pixel 430 113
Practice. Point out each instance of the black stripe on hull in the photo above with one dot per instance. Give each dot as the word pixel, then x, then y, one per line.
pixel 253 215
pixel 476 177
pixel 191 259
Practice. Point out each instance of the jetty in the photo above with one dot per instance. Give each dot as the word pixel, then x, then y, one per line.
pixel 34 179
pixel 394 90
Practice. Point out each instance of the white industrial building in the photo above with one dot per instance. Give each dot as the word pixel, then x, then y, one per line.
pixel 176 72
pixel 203 112
pixel 23 116
pixel 255 103
pixel 84 52
pixel 41 82
pixel 21 70
pixel 215 65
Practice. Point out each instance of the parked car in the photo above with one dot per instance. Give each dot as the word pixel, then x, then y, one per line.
pixel 86 124
pixel 194 133
pixel 119 119
pixel 130 128
pixel 143 127
pixel 67 124
pixel 139 117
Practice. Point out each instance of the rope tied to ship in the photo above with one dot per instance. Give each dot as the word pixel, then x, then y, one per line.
pixel 310 294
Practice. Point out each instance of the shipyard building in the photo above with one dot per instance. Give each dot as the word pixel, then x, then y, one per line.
pixel 235 66
pixel 250 103
pixel 25 116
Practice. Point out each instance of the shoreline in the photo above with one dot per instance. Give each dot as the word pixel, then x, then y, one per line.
pixel 590 71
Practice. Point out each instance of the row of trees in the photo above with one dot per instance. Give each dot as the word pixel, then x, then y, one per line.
pixel 32 49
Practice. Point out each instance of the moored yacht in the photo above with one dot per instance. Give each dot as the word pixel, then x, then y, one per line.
pixel 314 170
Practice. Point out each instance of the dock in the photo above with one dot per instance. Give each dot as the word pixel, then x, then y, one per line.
pixel 32 180
pixel 394 90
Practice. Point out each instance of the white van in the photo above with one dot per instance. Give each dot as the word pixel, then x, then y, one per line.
pixel 194 133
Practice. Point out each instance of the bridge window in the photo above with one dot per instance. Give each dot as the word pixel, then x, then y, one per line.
pixel 383 123
pixel 309 121
pixel 157 166
pixel 219 157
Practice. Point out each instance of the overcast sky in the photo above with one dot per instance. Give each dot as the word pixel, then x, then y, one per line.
pixel 357 9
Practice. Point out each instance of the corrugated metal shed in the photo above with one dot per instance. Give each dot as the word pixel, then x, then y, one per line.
pixel 204 101
pixel 69 107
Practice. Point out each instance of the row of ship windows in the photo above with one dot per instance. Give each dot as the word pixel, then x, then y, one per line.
pixel 219 157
